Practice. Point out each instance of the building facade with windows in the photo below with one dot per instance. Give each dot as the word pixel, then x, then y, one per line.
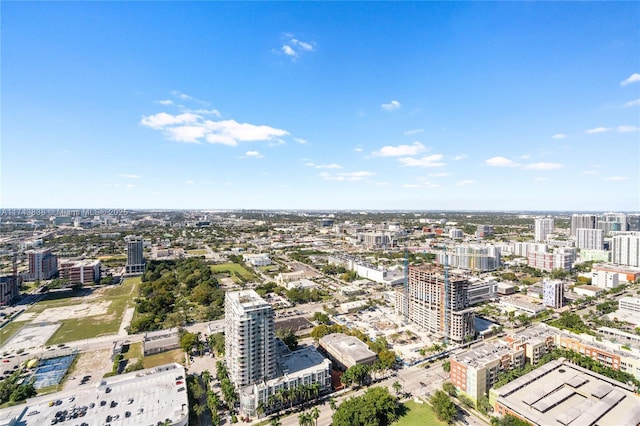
pixel 135 256
pixel 542 228
pixel 43 265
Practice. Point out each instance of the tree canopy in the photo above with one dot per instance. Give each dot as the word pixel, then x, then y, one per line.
pixel 375 407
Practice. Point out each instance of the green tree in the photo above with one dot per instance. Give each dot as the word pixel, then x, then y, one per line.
pixel 216 343
pixel 449 388
pixel 189 341
pixel 321 317
pixel 397 387
pixel 443 407
pixel 375 407
pixel 288 337
pixel 446 366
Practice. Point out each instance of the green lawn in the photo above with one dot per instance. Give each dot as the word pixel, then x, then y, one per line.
pixel 418 415
pixel 197 252
pixel 234 267
pixel 135 351
pixel 70 330
pixel 176 355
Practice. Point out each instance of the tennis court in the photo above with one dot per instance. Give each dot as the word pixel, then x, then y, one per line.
pixel 51 371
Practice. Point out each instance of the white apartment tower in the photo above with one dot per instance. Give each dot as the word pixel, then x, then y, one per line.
pixel 249 338
pixel 586 221
pixel 625 249
pixel 543 227
pixel 589 239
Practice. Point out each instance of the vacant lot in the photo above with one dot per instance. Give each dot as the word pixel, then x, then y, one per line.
pixel 418 415
pixel 176 355
pixel 234 269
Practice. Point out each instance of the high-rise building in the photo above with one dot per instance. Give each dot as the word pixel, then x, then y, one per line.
pixel 42 265
pixel 633 222
pixel 9 289
pixel 543 227
pixel 426 303
pixel 625 249
pixel 135 257
pixel 586 221
pixel 474 257
pixel 249 338
pixel 612 222
pixel 590 239
pixel 553 293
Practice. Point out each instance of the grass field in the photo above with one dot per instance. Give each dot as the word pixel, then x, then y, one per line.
pixel 85 328
pixel 197 252
pixel 176 355
pixel 234 267
pixel 418 415
pixel 135 351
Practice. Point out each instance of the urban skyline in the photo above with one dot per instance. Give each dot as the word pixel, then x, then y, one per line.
pixel 381 106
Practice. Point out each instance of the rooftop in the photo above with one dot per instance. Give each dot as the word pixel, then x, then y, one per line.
pixel 560 392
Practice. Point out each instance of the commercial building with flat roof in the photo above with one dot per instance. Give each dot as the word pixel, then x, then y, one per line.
pixel 563 393
pixel 347 351
pixel 146 397
pixel 80 271
pixel 156 342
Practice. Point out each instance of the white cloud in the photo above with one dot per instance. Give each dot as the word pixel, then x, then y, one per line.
pixel 616 178
pixel 633 78
pixel 500 162
pixel 632 103
pixel 413 132
pixel 440 174
pixel 391 106
pixel 541 179
pixel 276 142
pixel 346 176
pixel 287 50
pixel 180 95
pixel 328 166
pixel 203 111
pixel 253 154
pixel 465 182
pixel 165 102
pixel 412 185
pixel 543 166
pixel 559 136
pixel 357 149
pixel 459 157
pixel 302 45
pixel 189 182
pixel 434 160
pixel 597 130
pixel 300 141
pixel 627 129
pixel 185 133
pixel 162 119
pixel 129 176
pixel 400 150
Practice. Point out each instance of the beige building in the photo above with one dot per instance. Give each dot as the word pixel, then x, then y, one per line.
pixel 346 351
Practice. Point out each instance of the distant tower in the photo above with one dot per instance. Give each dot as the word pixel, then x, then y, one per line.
pixel 543 227
pixel 135 258
pixel 249 338
pixel 553 293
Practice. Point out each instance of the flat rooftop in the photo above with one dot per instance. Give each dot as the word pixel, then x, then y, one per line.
pixel 143 397
pixel 560 393
pixel 349 346
pixel 483 354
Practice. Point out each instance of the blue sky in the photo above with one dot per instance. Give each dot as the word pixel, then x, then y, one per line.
pixel 491 106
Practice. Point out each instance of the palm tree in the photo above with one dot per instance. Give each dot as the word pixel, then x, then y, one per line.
pixel 275 421
pixel 260 409
pixel 397 387
pixel 302 419
pixel 315 390
pixel 315 413
pixel 206 377
pixel 333 404
pixel 271 400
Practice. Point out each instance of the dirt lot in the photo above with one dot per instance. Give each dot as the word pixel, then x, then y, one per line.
pixel 94 364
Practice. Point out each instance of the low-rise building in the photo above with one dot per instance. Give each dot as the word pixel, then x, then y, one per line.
pixel 588 290
pixel 563 393
pixel 80 271
pixel 261 259
pixel 629 304
pixel 625 274
pixel 346 351
pixel 475 371
pixel 155 342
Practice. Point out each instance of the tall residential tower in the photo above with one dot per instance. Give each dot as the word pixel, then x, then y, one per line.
pixel 135 258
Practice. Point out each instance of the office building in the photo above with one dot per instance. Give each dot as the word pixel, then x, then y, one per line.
pixel 524 248
pixel 550 261
pixel 475 371
pixel 629 304
pixel 9 289
pixel 484 231
pixel 590 239
pixel 425 304
pixel 482 290
pixel 135 258
pixel 633 222
pixel 604 279
pixel 542 228
pixel 584 221
pixel 456 233
pixel 249 338
pixel 80 271
pixel 625 249
pixel 42 265
pixel 553 293
pixel 346 351
pixel 625 273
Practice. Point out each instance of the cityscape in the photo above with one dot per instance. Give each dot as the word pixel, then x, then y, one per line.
pixel 293 317
pixel 320 213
